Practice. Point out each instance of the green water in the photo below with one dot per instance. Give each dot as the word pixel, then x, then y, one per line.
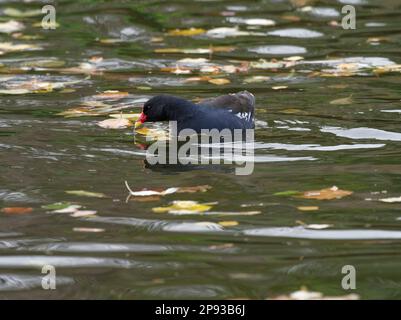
pixel 303 142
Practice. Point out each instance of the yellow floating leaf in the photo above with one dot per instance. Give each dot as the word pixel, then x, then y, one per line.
pixel 183 207
pixel 279 87
pixel 186 32
pixel 293 111
pixel 308 208
pixel 228 223
pixel 219 81
pixel 110 40
pixel 294 58
pixel 326 194
pixel 153 134
pixel 157 39
pixel 16 13
pixel 387 69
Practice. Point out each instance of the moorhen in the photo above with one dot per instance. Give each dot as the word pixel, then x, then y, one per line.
pixel 230 111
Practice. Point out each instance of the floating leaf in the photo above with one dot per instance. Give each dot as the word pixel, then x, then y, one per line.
pixel 153 134
pixel 195 51
pixel 70 209
pixel 219 81
pixel 264 64
pixel 202 188
pixel 317 226
pixel 183 207
pixel 114 123
pixel 228 223
pixel 56 206
pixel 129 116
pixel 11 47
pixel 287 193
pixel 279 87
pixel 387 69
pixel 146 193
pixel 83 213
pixel 294 58
pixel 147 198
pixel 326 194
pixel 252 22
pixel 11 26
pixel 233 213
pixel 176 70
pixel 14 91
pixel 186 32
pixel 308 208
pixel 342 101
pixel 256 79
pixel 223 32
pixel 391 200
pixel 86 193
pixel 88 230
pixel 17 210
pixel 16 13
pixel 111 94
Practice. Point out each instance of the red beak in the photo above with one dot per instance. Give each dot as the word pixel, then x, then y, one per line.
pixel 142 118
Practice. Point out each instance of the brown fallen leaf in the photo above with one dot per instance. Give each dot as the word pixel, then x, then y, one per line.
pixel 342 101
pixel 325 194
pixel 146 198
pixel 120 123
pixel 17 210
pixel 202 188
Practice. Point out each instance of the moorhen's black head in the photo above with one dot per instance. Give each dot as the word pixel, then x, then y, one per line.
pixel 162 108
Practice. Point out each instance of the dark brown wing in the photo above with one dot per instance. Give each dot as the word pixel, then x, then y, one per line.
pixel 241 104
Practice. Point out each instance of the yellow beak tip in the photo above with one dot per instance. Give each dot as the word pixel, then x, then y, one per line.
pixel 138 124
